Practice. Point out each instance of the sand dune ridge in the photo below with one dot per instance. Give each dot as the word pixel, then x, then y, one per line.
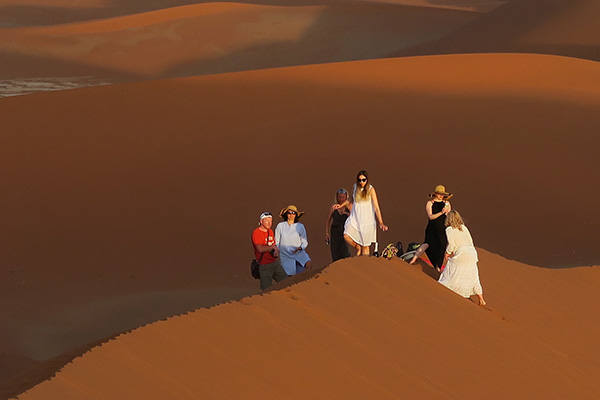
pixel 363 327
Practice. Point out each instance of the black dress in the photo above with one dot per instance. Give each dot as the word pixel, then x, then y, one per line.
pixel 339 248
pixel 435 236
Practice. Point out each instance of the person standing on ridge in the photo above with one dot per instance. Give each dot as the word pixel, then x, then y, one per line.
pixel 360 229
pixel 436 209
pixel 334 227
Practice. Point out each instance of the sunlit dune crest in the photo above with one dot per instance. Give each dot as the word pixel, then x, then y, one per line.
pixel 363 328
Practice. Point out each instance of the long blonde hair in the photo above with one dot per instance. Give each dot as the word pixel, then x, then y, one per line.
pixel 362 193
pixel 454 220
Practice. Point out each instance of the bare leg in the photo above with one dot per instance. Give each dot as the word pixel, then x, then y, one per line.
pixel 419 252
pixel 366 250
pixel 352 243
pixel 481 300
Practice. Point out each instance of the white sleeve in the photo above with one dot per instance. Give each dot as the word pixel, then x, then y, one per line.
pixel 450 234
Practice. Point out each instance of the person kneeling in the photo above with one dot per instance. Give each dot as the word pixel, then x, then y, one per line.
pixel 461 274
pixel 266 252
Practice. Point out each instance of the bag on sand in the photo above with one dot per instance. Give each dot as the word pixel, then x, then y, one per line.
pixel 413 246
pixel 390 251
pixel 399 247
pixel 255 269
pixel 407 256
pixel 411 250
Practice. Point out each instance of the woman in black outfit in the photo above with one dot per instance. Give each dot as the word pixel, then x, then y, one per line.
pixel 335 221
pixel 437 207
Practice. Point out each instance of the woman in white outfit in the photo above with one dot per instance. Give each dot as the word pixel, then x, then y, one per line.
pixel 290 236
pixel 461 274
pixel 360 229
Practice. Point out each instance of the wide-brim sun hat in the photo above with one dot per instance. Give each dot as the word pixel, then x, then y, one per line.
pixel 291 207
pixel 441 190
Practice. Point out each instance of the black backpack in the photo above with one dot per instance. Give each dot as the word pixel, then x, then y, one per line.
pixel 400 249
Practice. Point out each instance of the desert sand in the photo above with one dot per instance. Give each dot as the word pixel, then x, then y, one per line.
pixel 364 328
pixel 27 13
pixel 560 27
pixel 221 37
pixel 129 203
pixel 119 194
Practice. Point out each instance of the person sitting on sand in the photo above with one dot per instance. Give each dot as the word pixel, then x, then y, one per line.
pixel 266 252
pixel 461 274
pixel 334 227
pixel 360 229
pixel 291 237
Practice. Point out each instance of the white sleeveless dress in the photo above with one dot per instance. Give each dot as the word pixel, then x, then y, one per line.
pixel 361 225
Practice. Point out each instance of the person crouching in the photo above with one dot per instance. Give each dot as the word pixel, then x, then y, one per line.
pixel 266 252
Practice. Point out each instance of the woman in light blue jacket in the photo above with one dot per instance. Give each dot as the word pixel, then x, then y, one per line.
pixel 290 236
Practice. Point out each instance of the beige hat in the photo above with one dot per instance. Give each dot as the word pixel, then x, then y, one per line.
pixel 291 208
pixel 441 190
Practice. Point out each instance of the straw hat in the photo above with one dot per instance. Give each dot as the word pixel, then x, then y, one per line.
pixel 441 190
pixel 291 207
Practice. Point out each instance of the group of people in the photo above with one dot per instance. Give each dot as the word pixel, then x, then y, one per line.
pixel 352 221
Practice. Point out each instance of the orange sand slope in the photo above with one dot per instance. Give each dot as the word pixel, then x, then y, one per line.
pixel 221 37
pixel 365 329
pixel 119 194
pixel 560 27
pixel 53 12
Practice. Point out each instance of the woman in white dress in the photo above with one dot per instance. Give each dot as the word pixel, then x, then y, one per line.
pixel 290 236
pixel 461 274
pixel 360 229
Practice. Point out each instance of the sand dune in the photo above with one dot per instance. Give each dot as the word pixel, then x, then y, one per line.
pixel 54 12
pixel 118 196
pixel 364 328
pixel 11 365
pixel 127 204
pixel 560 27
pixel 221 37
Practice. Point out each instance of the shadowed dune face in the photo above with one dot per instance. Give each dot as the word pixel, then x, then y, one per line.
pixel 53 12
pixel 363 328
pixel 221 37
pixel 560 27
pixel 11 365
pixel 135 189
pixel 25 13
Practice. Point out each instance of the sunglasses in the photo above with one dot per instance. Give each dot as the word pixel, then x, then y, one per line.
pixel 362 179
pixel 292 212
